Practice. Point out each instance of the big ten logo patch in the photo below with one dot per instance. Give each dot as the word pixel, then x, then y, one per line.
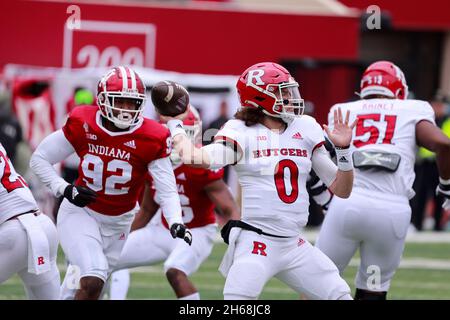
pixel 259 248
pixel 105 43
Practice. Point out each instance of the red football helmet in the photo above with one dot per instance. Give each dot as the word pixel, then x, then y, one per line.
pixel 270 86
pixel 121 82
pixel 384 78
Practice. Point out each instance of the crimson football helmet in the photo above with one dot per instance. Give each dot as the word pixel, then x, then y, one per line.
pixel 121 82
pixel 271 87
pixel 384 78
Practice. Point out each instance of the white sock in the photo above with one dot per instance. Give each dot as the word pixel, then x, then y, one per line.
pixel 194 296
pixel 120 281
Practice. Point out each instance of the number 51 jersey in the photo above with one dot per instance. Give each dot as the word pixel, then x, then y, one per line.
pixel 273 172
pixel 114 164
pixel 386 125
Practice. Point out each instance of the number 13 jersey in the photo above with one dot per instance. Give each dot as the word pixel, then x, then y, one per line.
pixel 386 125
pixel 273 171
pixel 114 164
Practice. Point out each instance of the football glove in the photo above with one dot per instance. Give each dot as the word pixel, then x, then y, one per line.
pixel 79 196
pixel 443 189
pixel 178 230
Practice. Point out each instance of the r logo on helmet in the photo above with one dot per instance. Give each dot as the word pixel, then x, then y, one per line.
pixel 255 74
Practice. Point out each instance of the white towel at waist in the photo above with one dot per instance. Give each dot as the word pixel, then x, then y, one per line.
pixel 38 246
pixel 227 260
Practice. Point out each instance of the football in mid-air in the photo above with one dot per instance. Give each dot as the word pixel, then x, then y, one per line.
pixel 169 98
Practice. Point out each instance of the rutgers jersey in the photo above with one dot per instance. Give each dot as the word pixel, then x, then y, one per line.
pixel 197 207
pixel 15 197
pixel 273 172
pixel 389 126
pixel 114 164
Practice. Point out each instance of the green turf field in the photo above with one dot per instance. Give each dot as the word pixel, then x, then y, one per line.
pixel 424 274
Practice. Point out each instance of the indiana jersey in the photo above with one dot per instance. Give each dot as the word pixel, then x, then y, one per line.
pixel 114 164
pixel 197 207
pixel 15 197
pixel 390 126
pixel 273 172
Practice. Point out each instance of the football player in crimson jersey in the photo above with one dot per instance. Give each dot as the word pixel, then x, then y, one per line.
pixel 274 147
pixel 28 239
pixel 200 191
pixel 117 148
pixel 376 217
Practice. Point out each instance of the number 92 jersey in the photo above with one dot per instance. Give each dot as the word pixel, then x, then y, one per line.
pixel 386 125
pixel 273 172
pixel 114 164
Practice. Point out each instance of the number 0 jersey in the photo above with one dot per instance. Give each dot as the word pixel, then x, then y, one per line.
pixel 273 172
pixel 390 126
pixel 114 164
pixel 15 197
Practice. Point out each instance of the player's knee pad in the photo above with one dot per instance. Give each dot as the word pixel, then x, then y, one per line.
pixel 361 294
pixel 340 291
pixel 246 279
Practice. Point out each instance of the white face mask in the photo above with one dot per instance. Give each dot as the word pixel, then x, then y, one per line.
pixel 125 118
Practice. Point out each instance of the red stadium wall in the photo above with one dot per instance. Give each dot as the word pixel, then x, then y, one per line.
pixel 181 39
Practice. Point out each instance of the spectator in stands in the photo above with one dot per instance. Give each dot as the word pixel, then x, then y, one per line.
pixel 427 177
pixel 10 130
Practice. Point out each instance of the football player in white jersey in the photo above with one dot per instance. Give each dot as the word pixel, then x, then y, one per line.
pixel 274 147
pixel 376 217
pixel 28 241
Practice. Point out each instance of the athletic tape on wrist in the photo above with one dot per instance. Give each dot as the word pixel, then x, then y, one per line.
pixel 176 127
pixel 344 159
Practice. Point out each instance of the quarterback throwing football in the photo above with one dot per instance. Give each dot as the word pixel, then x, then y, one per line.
pixel 274 147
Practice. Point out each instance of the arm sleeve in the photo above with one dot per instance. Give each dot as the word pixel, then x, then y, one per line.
pixel 164 181
pixel 221 155
pixel 53 149
pixel 325 169
pixel 231 135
